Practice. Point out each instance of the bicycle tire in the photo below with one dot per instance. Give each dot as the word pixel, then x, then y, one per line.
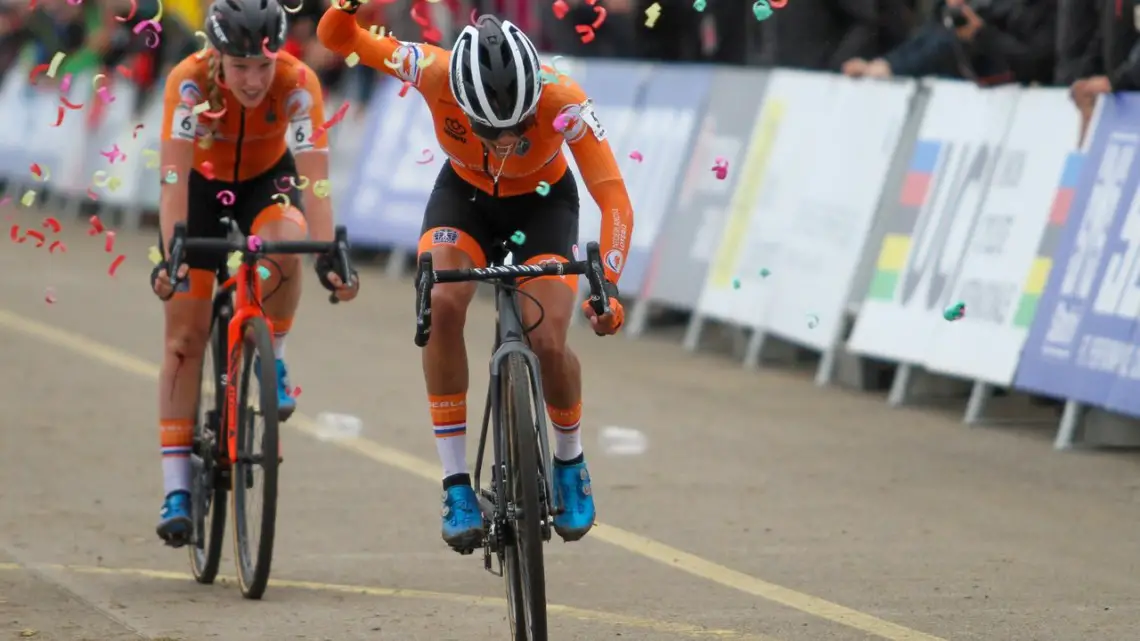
pixel 524 568
pixel 208 492
pixel 253 570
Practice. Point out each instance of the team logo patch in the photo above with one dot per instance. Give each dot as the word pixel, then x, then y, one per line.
pixel 404 62
pixel 190 92
pixel 445 236
pixel 575 128
pixel 614 261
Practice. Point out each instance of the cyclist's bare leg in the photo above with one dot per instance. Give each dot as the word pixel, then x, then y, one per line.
pixel 185 336
pixel 562 386
pixel 446 378
pixel 281 291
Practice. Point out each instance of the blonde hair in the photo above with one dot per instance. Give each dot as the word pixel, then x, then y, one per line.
pixel 213 95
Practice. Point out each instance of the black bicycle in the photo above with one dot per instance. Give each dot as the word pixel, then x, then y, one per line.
pixel 225 451
pixel 516 507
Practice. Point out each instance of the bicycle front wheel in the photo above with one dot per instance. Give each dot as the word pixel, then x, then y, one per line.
pixel 524 572
pixel 207 491
pixel 257 451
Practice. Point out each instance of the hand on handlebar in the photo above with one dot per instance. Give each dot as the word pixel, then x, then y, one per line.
pixel 160 280
pixel 327 269
pixel 609 323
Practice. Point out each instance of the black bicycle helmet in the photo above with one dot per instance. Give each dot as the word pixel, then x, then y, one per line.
pixel 495 74
pixel 240 27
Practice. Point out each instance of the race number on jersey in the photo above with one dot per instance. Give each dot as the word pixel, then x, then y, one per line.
pixel 299 137
pixel 590 117
pixel 184 123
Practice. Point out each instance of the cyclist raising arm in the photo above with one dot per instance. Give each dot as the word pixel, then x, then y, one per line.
pixel 495 121
pixel 263 107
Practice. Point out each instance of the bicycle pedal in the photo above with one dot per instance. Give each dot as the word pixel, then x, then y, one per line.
pixel 464 551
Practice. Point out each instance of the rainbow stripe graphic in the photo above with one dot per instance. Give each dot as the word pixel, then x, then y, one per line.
pixel 896 244
pixel 1043 263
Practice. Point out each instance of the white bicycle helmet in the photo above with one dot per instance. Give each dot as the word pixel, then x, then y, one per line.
pixel 496 77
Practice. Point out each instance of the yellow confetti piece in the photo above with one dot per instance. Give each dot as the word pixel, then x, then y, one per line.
pixel 201 35
pixel 426 62
pixel 321 189
pixel 234 261
pixel 29 198
pixel 114 183
pixel 378 31
pixel 392 64
pixel 151 158
pixel 96 79
pixel 201 108
pixel 652 14
pixel 154 255
pixel 55 62
pixel 158 16
pixel 352 60
pixel 100 178
pixel 282 200
pixel 302 184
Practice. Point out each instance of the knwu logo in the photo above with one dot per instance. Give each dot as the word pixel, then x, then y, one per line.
pixel 958 184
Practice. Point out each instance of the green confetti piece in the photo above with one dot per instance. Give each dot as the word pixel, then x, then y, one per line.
pixel 761 10
pixel 518 238
pixel 543 188
pixel 263 271
pixel 699 5
pixel 764 273
pixel 954 312
pixel 171 177
pixel 736 283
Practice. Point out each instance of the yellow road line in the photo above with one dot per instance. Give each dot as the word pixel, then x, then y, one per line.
pixel 581 614
pixel 635 543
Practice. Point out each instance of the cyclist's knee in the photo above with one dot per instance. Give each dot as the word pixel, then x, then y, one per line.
pixel 449 304
pixel 548 343
pixel 186 339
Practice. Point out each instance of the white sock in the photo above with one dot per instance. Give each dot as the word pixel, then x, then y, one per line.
pixel 175 469
pixel 567 441
pixel 452 448
pixel 279 346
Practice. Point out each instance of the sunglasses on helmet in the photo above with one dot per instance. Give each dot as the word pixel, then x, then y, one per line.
pixel 494 133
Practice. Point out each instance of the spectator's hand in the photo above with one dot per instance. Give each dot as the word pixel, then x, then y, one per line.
pixel 878 68
pixel 854 68
pixel 974 22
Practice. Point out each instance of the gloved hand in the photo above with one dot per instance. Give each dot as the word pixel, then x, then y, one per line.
pixel 610 323
pixel 328 268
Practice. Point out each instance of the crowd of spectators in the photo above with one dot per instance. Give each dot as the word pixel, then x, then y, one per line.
pixel 1087 45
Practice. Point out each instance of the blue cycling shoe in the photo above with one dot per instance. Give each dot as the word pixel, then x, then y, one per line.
pixel 572 491
pixel 286 404
pixel 174 525
pixel 462 521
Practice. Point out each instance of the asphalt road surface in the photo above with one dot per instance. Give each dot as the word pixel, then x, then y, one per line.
pixel 764 508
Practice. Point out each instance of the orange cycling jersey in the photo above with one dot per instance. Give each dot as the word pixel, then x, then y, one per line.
pixel 538 159
pixel 246 142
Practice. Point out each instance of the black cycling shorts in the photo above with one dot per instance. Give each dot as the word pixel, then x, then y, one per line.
pixel 251 198
pixel 475 222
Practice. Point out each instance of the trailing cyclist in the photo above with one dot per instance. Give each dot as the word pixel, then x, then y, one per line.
pixel 495 116
pixel 238 130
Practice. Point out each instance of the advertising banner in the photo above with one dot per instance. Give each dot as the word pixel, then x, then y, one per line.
pixel 950 170
pixel 1084 338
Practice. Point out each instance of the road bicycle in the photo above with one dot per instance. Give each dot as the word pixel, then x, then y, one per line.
pixel 516 506
pixel 225 452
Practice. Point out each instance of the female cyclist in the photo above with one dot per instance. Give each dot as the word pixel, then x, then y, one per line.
pixel 494 118
pixel 253 141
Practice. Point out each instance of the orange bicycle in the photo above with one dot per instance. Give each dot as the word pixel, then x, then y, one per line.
pixel 226 451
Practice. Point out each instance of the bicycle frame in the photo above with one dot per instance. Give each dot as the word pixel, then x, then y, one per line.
pixel 511 339
pixel 247 304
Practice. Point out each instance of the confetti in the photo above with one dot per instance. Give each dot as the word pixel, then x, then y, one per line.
pixel 283 184
pixel 654 12
pixel 14 234
pixel 426 62
pixel 332 122
pixel 49 298
pixel 299 6
pixel 28 198
pixel 812 321
pixel 91 194
pixel 109 243
pixel 636 155
pixel 96 226
pixel 302 185
pixel 392 64
pixel 226 197
pixel 764 273
pixel 425 157
pixel 70 105
pixel 95 80
pixel 38 172
pixel 52 224
pixel 543 188
pixel 265 49
pixel 301 77
pixel 5 201
pixel 151 157
pixel 126 73
pixel 100 179
pixel 475 17
pixel 131 15
pixel 105 96
pixel 404 89
pixel 601 11
pixel 263 272
pixel 518 238
pixel 35 233
pixel 66 83
pixel 114 183
pixel 761 10
pixel 560 9
pixel 778 4
pixel 736 283
pixel 59 117
pixel 171 177
pixel 201 35
pixel 138 128
pixel 152 37
pixel 36 71
pixel 234 261
pixel 699 5
pixel 322 189
pixel 587 33
pixel 154 255
pixel 55 62
pixel 352 59
pixel 112 155
pixel 296 391
pixel 115 264
pixel 57 245
pixel 561 122
pixel 955 311
pixel 720 168
pixel 283 200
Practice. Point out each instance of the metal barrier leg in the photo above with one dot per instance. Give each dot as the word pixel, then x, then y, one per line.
pixel 901 385
pixel 638 317
pixel 754 348
pixel 693 333
pixel 397 261
pixel 826 367
pixel 979 394
pixel 1070 419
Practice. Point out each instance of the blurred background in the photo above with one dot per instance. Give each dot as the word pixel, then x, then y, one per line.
pixel 914 37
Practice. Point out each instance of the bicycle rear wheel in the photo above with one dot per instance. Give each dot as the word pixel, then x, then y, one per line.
pixel 254 532
pixel 523 568
pixel 208 493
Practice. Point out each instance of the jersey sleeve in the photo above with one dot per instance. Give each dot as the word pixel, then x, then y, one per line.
pixel 586 137
pixel 305 110
pixel 183 91
pixel 423 65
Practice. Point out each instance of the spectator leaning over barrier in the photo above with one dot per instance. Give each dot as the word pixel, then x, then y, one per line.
pixel 1097 50
pixel 987 41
